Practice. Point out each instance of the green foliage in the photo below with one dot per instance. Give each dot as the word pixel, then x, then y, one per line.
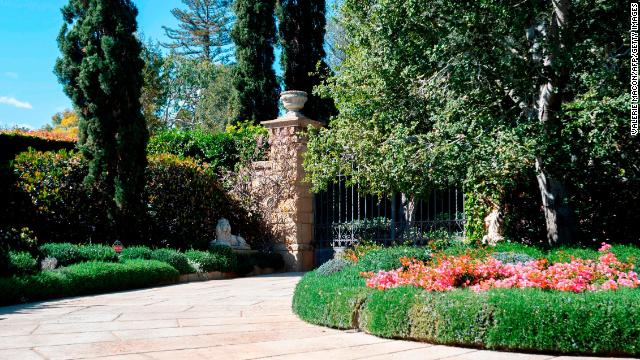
pixel 13 143
pixel 207 261
pixel 68 254
pixel 101 70
pixel 22 263
pixel 254 34
pixel 239 144
pixel 389 258
pixel 184 201
pixel 564 254
pixel 330 300
pixel 406 91
pixel 301 26
pixel 602 322
pixel 135 252
pixel 84 279
pixel 176 259
pixel 380 319
pixel 333 266
pixel 203 30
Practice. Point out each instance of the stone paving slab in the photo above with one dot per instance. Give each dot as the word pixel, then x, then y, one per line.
pixel 248 318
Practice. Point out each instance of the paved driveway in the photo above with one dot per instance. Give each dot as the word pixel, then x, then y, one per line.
pixel 246 318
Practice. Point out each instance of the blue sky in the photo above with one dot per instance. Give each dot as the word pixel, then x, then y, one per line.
pixel 29 91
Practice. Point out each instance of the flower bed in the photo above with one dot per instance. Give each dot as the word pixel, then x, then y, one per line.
pixel 450 272
pixel 588 317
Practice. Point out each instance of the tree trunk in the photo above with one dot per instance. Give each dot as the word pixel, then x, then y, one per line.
pixel 558 215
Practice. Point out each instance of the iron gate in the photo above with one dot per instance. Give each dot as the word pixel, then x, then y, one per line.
pixel 343 216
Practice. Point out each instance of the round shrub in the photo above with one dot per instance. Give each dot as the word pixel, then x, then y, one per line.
pixel 176 259
pixel 22 263
pixel 67 254
pixel 512 257
pixel 136 252
pixel 389 258
pixel 64 253
pixel 594 323
pixel 332 266
pixel 207 261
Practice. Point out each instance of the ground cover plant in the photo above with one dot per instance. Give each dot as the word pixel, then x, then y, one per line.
pixel 86 278
pixel 570 305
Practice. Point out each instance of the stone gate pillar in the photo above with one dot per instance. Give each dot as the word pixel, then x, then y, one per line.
pixel 288 142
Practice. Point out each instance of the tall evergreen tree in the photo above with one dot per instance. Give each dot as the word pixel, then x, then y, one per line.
pixel 203 30
pixel 101 70
pixel 302 30
pixel 254 34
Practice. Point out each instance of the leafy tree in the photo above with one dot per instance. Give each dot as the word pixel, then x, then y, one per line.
pixel 66 123
pixel 254 34
pixel 301 24
pixel 204 30
pixel 154 90
pixel 431 106
pixel 101 70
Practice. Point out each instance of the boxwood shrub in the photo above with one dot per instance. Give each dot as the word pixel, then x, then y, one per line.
pixel 22 263
pixel 208 261
pixel 135 252
pixel 176 259
pixel 603 322
pixel 84 279
pixel 68 254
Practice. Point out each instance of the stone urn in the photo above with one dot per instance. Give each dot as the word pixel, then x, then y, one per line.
pixel 293 101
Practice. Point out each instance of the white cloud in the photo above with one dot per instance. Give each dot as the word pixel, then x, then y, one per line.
pixel 11 75
pixel 15 102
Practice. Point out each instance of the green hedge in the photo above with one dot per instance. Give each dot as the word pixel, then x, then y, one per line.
pixel 184 201
pixel 238 144
pixel 13 143
pixel 208 261
pixel 176 259
pixel 84 279
pixel 604 322
pixel 68 254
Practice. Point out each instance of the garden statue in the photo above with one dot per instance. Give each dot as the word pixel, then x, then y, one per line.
pixel 492 223
pixel 224 237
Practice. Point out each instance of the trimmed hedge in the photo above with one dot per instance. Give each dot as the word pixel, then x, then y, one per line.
pixel 208 261
pixel 389 258
pixel 604 322
pixel 22 263
pixel 176 259
pixel 15 142
pixel 68 254
pixel 84 279
pixel 136 252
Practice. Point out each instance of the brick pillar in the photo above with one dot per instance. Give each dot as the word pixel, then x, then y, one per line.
pixel 288 142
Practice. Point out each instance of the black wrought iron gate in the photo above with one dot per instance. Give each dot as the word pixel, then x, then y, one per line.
pixel 343 216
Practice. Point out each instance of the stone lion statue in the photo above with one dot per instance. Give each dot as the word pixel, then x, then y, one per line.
pixel 224 236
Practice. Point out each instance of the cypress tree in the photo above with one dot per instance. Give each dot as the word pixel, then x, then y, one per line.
pixel 101 71
pixel 254 34
pixel 301 25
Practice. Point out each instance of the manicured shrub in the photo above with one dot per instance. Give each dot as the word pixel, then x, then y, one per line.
pixel 331 300
pixel 68 254
pixel 135 252
pixel 207 261
pixel 176 259
pixel 15 142
pixel 84 279
pixel 600 322
pixel 389 258
pixel 333 266
pixel 64 253
pixel 22 263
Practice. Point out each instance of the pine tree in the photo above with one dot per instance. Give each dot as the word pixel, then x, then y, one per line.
pixel 254 34
pixel 101 70
pixel 302 30
pixel 203 30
